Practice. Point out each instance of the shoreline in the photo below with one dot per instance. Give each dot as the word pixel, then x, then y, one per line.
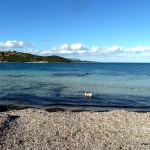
pixel 75 108
pixel 33 128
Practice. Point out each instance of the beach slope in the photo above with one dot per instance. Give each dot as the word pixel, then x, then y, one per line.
pixel 39 129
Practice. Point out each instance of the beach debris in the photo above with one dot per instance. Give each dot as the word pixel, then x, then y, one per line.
pixel 88 94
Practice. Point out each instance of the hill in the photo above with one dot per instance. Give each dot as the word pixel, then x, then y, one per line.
pixel 13 56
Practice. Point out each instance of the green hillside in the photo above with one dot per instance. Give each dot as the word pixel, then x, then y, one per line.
pixel 13 56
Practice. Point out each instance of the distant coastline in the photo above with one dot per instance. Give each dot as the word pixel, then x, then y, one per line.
pixel 14 56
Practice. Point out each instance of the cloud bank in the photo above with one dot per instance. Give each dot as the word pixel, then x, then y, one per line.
pixel 81 49
pixel 67 49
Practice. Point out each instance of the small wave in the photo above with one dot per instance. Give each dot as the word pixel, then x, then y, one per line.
pixel 70 74
pixel 15 76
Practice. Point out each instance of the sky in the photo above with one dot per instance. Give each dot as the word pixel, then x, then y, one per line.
pixel 95 30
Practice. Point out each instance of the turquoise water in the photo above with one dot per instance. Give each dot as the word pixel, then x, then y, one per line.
pixel 64 84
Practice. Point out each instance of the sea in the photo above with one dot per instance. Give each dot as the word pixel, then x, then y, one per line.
pixel 62 85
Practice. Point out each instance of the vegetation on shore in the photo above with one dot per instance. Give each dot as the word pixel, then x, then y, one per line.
pixel 13 56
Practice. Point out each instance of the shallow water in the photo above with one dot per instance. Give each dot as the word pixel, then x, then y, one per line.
pixel 49 84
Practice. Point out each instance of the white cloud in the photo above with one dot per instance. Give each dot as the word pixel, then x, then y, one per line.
pixel 78 46
pixel 138 49
pixel 14 44
pixel 81 49
pixel 67 49
pixel 64 47
pixel 115 49
pixel 71 47
pixel 95 49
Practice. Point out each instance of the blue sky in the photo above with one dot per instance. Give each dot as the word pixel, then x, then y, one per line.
pixel 99 30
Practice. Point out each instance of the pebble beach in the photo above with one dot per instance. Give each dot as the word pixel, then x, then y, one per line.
pixel 38 129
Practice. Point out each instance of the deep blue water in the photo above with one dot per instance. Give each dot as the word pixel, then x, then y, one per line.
pixel 117 85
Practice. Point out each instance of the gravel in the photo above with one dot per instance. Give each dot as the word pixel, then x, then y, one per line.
pixel 38 129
